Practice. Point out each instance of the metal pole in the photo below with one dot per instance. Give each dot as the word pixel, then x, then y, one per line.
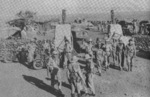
pixel 112 16
pixel 63 16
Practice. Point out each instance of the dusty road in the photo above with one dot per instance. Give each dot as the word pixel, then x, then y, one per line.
pixel 17 80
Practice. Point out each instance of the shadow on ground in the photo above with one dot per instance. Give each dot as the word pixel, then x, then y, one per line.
pixel 41 85
pixel 144 54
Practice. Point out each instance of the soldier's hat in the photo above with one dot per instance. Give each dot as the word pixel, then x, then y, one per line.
pixel 87 57
pixel 54 52
pixel 105 38
pixel 107 41
pixel 90 39
pixel 130 39
pixel 74 59
pixel 98 40
pixel 120 40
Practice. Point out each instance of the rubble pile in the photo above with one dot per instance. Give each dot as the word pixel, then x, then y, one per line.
pixel 142 42
pixel 8 48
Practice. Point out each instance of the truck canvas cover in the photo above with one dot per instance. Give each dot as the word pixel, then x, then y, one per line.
pixel 62 31
pixel 115 30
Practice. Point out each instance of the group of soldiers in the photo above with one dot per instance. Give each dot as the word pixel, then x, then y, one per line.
pixel 96 55
pixel 117 50
pixel 77 80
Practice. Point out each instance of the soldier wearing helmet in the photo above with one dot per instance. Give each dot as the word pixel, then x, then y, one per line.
pixel 131 53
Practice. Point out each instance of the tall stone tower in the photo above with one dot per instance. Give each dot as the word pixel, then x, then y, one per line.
pixel 112 16
pixel 63 16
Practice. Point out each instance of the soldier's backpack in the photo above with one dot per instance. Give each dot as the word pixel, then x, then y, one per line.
pixel 74 76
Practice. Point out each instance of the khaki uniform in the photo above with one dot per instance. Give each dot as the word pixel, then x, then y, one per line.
pixel 99 59
pixel 31 50
pixel 114 45
pixel 89 50
pixel 131 52
pixel 46 46
pixel 55 72
pixel 120 54
pixel 107 50
pixel 83 46
pixel 55 55
pixel 67 54
pixel 90 75
pixel 76 79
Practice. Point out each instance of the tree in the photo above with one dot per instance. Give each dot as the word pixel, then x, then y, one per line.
pixel 26 14
pixel 24 18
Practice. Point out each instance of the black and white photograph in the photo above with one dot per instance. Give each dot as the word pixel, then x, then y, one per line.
pixel 74 48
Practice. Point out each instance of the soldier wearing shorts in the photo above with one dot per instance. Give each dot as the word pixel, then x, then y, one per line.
pixel 107 49
pixel 75 77
pixel 120 53
pixel 131 53
pixel 67 53
pixel 114 45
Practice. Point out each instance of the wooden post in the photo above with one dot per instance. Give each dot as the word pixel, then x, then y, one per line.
pixel 63 16
pixel 112 16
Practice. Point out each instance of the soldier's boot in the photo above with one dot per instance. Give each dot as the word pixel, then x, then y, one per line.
pixel 128 66
pixel 131 68
pixel 99 71
pixel 120 67
pixel 72 95
pixel 79 95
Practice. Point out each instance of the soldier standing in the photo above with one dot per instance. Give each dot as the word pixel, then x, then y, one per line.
pixel 67 52
pixel 99 57
pixel 131 53
pixel 120 53
pixel 89 48
pixel 84 45
pixel 55 72
pixel 107 49
pixel 75 77
pixel 46 47
pixel 31 49
pixel 90 73
pixel 55 55
pixel 114 45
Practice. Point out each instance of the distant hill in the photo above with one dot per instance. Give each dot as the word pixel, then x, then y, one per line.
pixel 141 15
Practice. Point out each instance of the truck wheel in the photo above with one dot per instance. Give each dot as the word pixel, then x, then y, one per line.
pixel 37 64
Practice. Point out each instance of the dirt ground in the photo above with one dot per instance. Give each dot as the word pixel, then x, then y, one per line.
pixel 17 80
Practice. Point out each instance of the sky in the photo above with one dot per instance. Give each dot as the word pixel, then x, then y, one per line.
pixel 49 7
